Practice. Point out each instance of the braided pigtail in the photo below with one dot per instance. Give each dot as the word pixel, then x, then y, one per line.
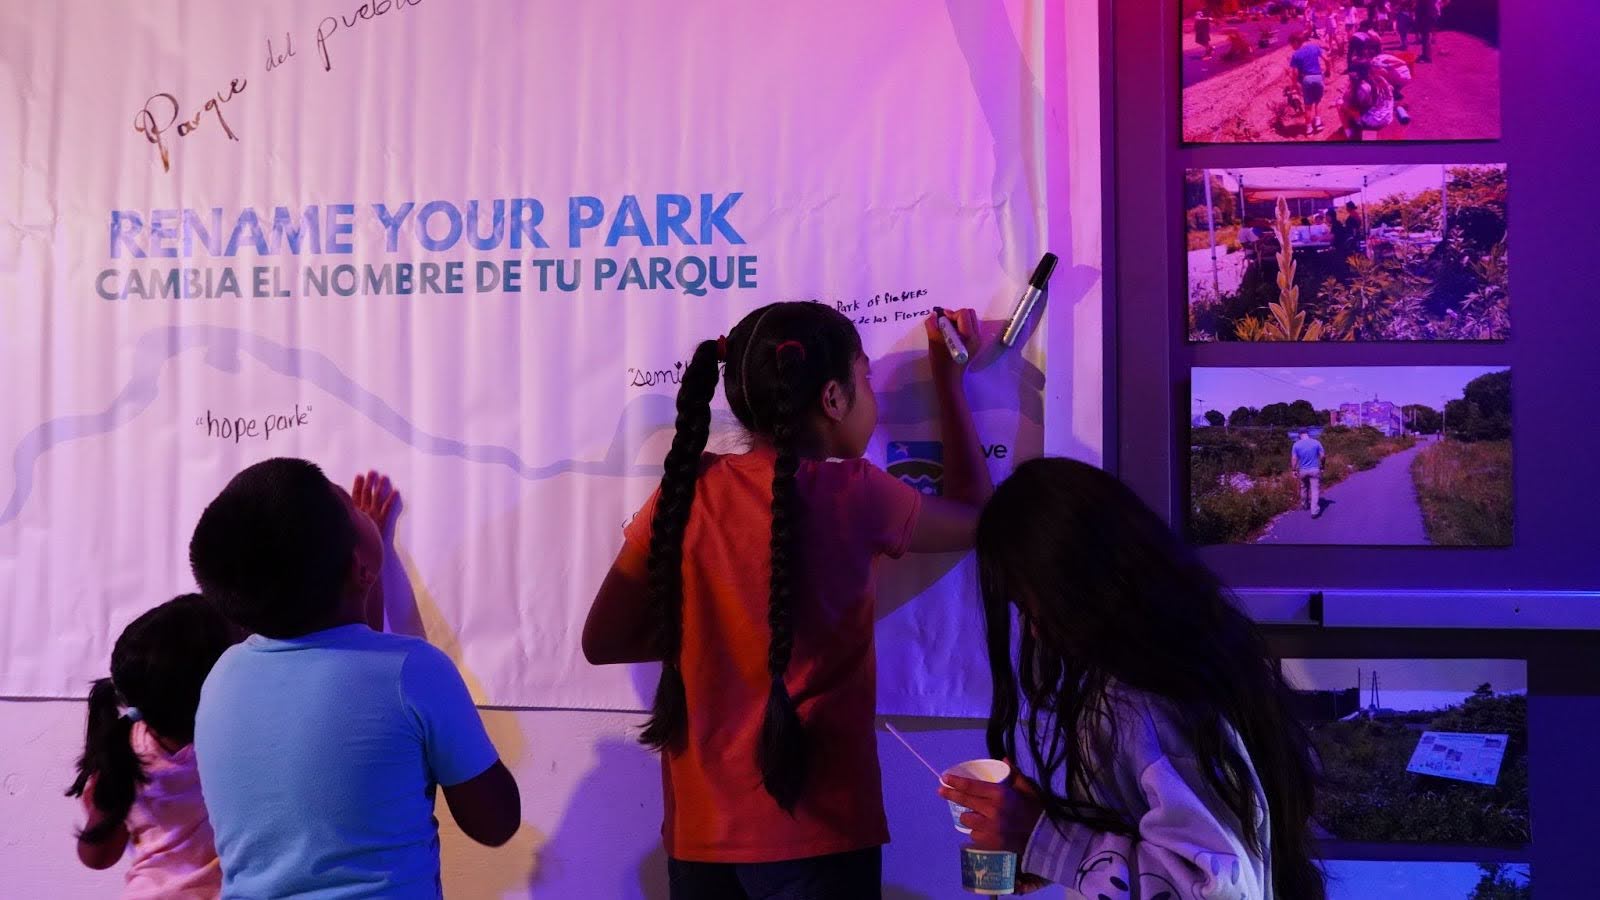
pixel 664 565
pixel 782 751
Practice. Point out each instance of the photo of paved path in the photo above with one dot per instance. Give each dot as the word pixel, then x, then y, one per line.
pixel 1378 506
pixel 1351 456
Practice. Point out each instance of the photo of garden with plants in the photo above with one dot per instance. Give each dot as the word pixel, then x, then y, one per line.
pixel 1351 456
pixel 1347 253
pixel 1366 718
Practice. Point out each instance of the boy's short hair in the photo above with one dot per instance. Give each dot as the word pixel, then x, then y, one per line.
pixel 273 549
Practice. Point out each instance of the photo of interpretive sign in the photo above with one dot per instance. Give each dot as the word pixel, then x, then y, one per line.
pixel 1418 750
pixel 1465 757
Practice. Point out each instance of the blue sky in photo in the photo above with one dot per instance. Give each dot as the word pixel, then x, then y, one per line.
pixel 1226 389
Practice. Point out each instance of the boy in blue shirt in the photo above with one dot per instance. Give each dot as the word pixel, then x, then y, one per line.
pixel 320 741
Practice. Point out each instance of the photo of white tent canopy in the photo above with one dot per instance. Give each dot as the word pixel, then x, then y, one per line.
pixel 1373 253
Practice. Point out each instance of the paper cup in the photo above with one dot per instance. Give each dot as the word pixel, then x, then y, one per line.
pixel 993 771
pixel 988 871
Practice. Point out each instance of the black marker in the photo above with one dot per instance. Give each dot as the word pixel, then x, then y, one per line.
pixel 1030 299
pixel 952 338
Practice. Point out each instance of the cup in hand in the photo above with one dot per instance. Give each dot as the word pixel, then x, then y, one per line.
pixel 993 771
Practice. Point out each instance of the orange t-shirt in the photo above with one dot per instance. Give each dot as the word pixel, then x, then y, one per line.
pixel 851 513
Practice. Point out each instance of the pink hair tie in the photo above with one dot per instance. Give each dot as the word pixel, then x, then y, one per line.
pixel 795 344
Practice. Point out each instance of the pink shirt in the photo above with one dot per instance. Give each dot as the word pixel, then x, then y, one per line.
pixel 169 835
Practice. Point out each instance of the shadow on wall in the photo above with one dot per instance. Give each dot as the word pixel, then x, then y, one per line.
pixel 615 804
pixel 613 815
pixel 593 852
pixel 486 871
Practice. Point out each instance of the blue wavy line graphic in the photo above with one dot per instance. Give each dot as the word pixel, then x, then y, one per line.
pixel 644 415
pixel 225 349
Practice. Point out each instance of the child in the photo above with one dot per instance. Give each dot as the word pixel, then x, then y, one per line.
pixel 1396 70
pixel 1368 103
pixel 137 776
pixel 1202 32
pixel 1332 36
pixel 751 576
pixel 1305 66
pixel 1158 728
pixel 321 742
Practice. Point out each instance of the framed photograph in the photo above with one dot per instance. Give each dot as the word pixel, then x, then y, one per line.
pixel 1351 456
pixel 1348 253
pixel 1371 720
pixel 1266 71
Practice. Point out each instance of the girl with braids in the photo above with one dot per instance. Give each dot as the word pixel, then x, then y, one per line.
pixel 1166 762
pixel 751 578
pixel 137 777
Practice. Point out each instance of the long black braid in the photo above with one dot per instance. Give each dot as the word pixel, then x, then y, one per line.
pixel 779 359
pixel 664 565
pixel 781 753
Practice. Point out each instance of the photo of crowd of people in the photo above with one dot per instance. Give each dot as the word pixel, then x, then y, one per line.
pixel 1340 70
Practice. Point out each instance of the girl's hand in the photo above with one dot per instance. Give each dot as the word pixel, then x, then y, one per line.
pixel 965 321
pixel 377 498
pixel 1027 884
pixel 1002 816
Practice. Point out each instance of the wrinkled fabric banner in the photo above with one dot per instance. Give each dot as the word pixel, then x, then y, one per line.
pixel 472 245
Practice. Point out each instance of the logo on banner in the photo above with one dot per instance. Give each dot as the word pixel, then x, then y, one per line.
pixel 919 464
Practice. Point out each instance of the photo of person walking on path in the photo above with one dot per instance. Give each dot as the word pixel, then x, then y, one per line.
pixel 1402 70
pixel 1307 454
pixel 1351 456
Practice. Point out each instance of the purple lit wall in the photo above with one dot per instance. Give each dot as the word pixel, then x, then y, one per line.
pixel 1549 141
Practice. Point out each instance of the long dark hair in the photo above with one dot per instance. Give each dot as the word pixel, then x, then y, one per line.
pixel 1108 594
pixel 157 667
pixel 779 358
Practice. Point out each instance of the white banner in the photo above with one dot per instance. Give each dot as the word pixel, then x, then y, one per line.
pixel 470 244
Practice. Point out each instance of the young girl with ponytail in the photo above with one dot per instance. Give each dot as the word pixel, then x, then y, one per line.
pixel 137 777
pixel 750 577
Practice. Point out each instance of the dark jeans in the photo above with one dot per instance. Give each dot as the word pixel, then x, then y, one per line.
pixel 857 875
